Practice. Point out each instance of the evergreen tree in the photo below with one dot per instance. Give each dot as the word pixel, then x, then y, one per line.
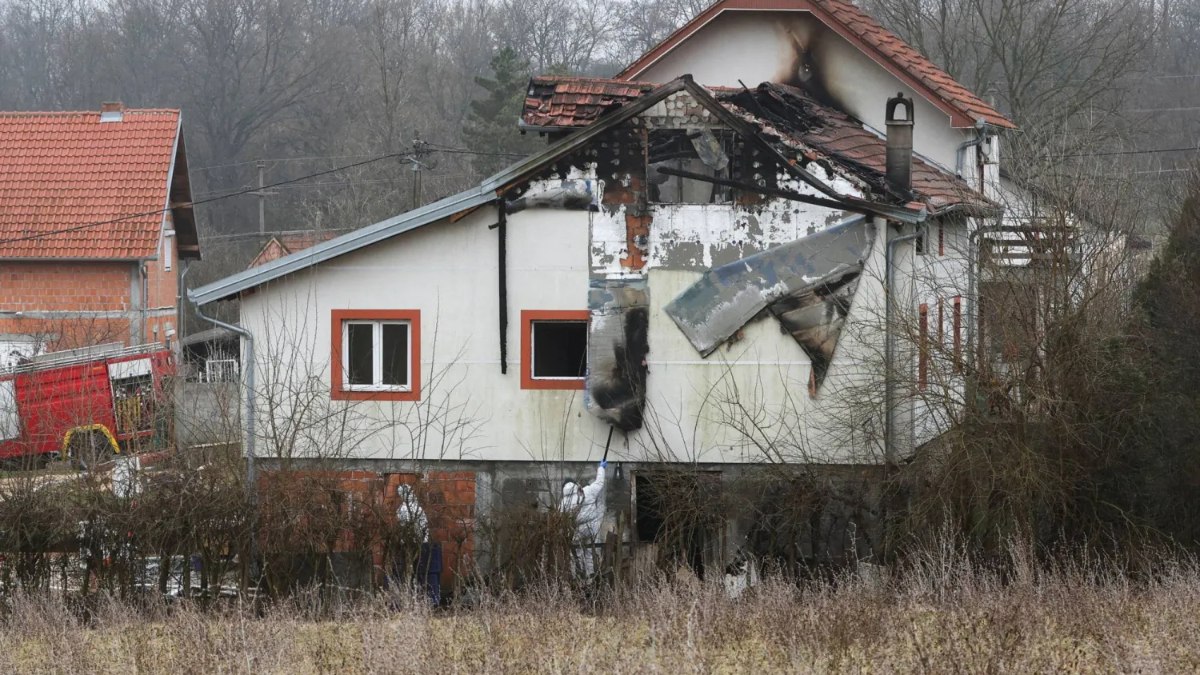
pixel 492 123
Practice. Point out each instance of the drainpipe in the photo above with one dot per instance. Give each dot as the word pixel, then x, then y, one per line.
pixel 889 386
pixel 145 300
pixel 502 284
pixel 248 361
pixel 961 153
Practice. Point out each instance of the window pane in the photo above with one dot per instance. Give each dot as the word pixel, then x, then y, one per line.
pixel 359 353
pixel 559 348
pixel 395 353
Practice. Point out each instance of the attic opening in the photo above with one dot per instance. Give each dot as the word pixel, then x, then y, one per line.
pixel 681 164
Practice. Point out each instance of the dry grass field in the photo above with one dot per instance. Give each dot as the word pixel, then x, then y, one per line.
pixel 949 620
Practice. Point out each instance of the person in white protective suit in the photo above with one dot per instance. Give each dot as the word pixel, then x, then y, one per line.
pixel 410 513
pixel 422 565
pixel 587 505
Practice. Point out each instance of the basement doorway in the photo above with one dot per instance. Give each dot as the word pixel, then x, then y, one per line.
pixel 682 514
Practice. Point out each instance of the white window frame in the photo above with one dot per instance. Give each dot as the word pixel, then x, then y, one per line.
pixel 533 350
pixel 376 355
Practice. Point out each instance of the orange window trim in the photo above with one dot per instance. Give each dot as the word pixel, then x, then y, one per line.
pixel 958 333
pixel 339 316
pixel 528 316
pixel 941 325
pixel 923 349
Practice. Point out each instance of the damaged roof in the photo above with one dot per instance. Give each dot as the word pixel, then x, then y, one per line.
pixel 502 184
pixel 865 33
pixel 570 102
pixel 787 116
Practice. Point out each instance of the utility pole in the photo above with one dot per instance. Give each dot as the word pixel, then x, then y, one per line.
pixel 262 195
pixel 418 151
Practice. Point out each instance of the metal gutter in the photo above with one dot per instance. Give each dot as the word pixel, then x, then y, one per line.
pixel 385 229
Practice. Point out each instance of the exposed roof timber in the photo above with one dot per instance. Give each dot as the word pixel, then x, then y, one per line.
pixel 749 132
pixel 851 204
pixel 492 189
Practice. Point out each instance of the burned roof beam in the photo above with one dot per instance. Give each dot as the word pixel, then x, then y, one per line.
pixel 851 204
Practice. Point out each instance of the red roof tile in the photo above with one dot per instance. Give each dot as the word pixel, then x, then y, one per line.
pixel 288 243
pixel 63 172
pixel 864 32
pixel 565 102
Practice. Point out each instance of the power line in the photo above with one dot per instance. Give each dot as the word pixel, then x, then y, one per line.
pixel 1131 152
pixel 131 216
pixel 1151 110
pixel 313 158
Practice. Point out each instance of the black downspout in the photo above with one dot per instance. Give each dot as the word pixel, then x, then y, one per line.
pixel 502 225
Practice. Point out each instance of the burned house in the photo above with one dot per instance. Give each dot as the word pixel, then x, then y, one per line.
pixel 735 254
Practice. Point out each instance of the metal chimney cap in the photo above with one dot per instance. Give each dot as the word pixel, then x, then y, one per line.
pixel 895 102
pixel 112 111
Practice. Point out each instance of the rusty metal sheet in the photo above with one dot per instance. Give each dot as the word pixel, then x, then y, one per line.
pixel 808 284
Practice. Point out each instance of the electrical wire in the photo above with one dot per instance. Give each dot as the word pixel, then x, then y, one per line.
pixel 209 200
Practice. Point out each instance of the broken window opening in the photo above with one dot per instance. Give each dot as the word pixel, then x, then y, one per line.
pixel 376 355
pixel 682 514
pixel 554 348
pixel 559 350
pixel 702 152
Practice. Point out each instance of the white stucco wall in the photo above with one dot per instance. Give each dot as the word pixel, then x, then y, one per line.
pixel 449 272
pixel 759 46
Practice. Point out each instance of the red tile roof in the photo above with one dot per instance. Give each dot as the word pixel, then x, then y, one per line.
pixel 863 31
pixel 288 243
pixel 63 172
pixel 784 114
pixel 566 102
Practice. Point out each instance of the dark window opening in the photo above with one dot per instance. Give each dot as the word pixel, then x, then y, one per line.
pixel 395 354
pixel 559 349
pixel 682 513
pixel 360 356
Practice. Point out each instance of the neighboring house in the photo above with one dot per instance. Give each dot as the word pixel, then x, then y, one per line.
pixel 95 215
pixel 693 272
pixel 286 243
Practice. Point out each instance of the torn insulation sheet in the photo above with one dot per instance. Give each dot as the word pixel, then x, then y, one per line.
pixel 808 284
pixel 617 347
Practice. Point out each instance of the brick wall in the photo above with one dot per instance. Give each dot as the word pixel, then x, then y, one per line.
pixel 65 286
pixel 447 497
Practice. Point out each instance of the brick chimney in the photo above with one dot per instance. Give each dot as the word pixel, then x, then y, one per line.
pixel 900 142
pixel 112 111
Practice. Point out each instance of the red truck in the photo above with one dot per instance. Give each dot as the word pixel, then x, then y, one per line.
pixel 85 404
